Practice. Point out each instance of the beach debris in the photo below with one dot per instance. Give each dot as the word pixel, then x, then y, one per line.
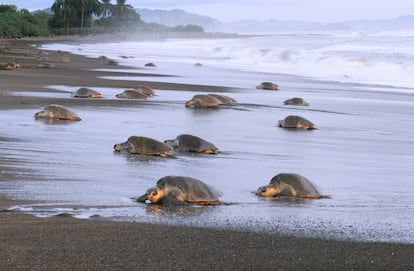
pixel 209 101
pixel 150 65
pixel 191 143
pixel 132 94
pixel 57 112
pixel 144 145
pixel 9 66
pixel 86 93
pixel 296 101
pixel 111 62
pixel 267 86
pixel 65 59
pixel 46 65
pixel 172 189
pixel 294 121
pixel 290 185
pixel 108 61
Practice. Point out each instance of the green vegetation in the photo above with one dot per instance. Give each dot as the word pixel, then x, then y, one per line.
pixel 18 23
pixel 79 17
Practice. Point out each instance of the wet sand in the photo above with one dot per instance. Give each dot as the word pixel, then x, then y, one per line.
pixel 64 243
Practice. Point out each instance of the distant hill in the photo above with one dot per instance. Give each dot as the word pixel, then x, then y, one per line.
pixel 269 26
pixel 47 10
pixel 178 17
pixel 400 23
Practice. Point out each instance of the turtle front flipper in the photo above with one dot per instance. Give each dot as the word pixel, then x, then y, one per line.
pixel 316 197
pixel 142 198
pixel 177 194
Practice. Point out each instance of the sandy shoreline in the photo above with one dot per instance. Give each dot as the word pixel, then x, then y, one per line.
pixel 60 243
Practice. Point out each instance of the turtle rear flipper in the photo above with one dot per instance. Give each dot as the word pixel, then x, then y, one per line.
pixel 206 202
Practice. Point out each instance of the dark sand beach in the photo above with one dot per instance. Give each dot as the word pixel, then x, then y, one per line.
pixel 65 243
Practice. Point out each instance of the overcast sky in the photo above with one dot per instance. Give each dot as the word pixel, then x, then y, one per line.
pixel 232 10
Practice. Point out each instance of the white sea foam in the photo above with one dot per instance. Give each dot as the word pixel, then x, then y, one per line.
pixel 374 58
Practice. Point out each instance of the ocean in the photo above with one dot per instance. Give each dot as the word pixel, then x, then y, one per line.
pixel 360 89
pixel 378 58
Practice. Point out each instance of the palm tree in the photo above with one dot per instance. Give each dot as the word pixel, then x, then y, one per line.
pixel 125 13
pixel 119 9
pixel 63 11
pixel 105 8
pixel 88 7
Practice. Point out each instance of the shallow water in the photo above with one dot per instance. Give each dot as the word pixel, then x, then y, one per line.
pixel 361 155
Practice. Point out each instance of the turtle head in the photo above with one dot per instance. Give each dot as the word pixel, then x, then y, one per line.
pixel 190 103
pixel 267 191
pixel 280 123
pixel 155 194
pixel 118 147
pixel 171 142
pixel 40 114
pixel 122 146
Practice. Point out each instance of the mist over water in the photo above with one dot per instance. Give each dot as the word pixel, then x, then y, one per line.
pixel 380 58
pixel 361 154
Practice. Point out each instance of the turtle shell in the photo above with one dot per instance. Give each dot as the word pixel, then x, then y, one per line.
pixel 191 143
pixel 226 100
pixel 267 86
pixel 203 101
pixel 57 112
pixel 193 190
pixel 86 93
pixel 299 183
pixel 132 94
pixel 146 90
pixel 148 146
pixel 296 101
pixel 294 121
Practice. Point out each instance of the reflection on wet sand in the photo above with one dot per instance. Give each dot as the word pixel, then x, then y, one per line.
pixel 361 143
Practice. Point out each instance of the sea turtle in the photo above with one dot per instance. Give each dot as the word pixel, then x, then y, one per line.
pixel 144 145
pixel 182 189
pixel 225 100
pixel 290 185
pixel 203 101
pixel 57 112
pixel 267 86
pixel 296 101
pixel 65 59
pixel 146 90
pixel 86 93
pixel 294 121
pixel 6 66
pixel 132 94
pixel 191 143
pixel 150 65
pixel 9 66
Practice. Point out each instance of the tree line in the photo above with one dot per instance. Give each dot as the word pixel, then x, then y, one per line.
pixel 87 13
pixel 78 17
pixel 17 23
